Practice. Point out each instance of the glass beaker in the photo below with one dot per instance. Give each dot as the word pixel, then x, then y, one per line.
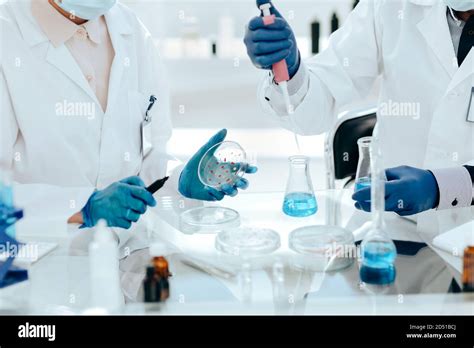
pixel 377 250
pixel 363 168
pixel 300 200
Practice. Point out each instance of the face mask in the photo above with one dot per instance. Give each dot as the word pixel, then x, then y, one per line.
pixel 460 5
pixel 86 9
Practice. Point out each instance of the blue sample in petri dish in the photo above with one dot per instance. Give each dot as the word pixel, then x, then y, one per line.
pixel 378 263
pixel 362 183
pixel 300 204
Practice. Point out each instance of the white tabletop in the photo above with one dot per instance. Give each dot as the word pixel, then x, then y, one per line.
pixel 59 283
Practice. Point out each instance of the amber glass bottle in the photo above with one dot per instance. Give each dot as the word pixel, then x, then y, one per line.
pixel 468 274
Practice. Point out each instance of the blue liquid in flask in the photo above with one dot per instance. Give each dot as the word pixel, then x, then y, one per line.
pixel 362 183
pixel 300 204
pixel 378 263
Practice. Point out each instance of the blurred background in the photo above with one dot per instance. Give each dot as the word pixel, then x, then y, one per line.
pixel 214 85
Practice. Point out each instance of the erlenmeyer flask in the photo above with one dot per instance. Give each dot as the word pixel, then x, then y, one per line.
pixel 378 250
pixel 300 200
pixel 363 168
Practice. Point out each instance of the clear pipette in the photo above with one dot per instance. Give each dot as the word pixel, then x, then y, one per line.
pixel 280 71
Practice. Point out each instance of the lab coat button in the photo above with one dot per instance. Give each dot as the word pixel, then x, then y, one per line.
pixel 90 78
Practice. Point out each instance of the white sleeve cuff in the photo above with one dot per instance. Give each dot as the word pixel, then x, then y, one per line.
pixel 455 187
pixel 298 81
pixel 298 88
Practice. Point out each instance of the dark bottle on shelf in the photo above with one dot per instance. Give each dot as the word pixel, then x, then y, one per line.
pixel 468 273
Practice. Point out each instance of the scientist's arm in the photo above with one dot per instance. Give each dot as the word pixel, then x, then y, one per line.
pixel 344 73
pixel 410 191
pixel 455 186
pixel 40 202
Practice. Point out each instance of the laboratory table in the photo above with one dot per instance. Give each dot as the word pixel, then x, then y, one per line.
pixel 221 284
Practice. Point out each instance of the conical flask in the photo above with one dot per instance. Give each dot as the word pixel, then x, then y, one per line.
pixel 363 176
pixel 300 200
pixel 378 250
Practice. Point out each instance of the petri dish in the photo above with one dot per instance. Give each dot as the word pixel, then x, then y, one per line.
pixel 247 242
pixel 224 163
pixel 322 248
pixel 208 220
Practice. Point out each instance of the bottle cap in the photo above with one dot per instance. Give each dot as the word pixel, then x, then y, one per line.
pixel 102 233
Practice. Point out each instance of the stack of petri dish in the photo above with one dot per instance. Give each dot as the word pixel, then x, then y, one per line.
pixel 223 164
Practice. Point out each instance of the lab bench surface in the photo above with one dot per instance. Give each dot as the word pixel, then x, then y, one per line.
pixel 59 283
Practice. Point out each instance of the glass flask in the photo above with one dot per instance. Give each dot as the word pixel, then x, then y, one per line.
pixel 363 168
pixel 300 200
pixel 378 251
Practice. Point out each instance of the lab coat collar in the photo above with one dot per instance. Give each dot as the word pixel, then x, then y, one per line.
pixel 120 30
pixel 434 28
pixel 465 71
pixel 54 25
pixel 117 22
pixel 33 35
pixel 59 57
pixel 27 24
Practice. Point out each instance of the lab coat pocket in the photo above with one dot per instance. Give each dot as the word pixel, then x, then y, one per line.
pixel 138 103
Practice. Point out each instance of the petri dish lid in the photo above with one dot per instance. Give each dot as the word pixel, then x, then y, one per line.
pixel 248 242
pixel 322 248
pixel 209 220
pixel 318 238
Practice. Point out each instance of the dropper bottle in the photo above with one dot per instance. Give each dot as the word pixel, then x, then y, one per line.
pixel 104 270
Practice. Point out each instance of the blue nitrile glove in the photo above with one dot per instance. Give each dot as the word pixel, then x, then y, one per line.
pixel 267 45
pixel 120 204
pixel 408 191
pixel 191 187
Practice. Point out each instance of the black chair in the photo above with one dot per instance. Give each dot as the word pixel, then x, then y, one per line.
pixel 341 149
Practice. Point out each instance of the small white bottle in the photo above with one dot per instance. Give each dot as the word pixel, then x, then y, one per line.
pixel 106 292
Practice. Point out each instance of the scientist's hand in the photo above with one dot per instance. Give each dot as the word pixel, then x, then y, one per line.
pixel 267 45
pixel 408 191
pixel 191 187
pixel 120 204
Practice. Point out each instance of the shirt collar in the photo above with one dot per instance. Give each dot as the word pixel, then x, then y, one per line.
pixel 93 30
pixel 59 29
pixel 457 21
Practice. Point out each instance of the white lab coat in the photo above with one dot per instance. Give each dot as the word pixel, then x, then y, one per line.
pixel 59 155
pixel 407 44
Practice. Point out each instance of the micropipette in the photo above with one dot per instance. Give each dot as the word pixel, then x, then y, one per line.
pixel 280 70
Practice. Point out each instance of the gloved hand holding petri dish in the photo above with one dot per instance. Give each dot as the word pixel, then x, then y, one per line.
pixel 223 165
